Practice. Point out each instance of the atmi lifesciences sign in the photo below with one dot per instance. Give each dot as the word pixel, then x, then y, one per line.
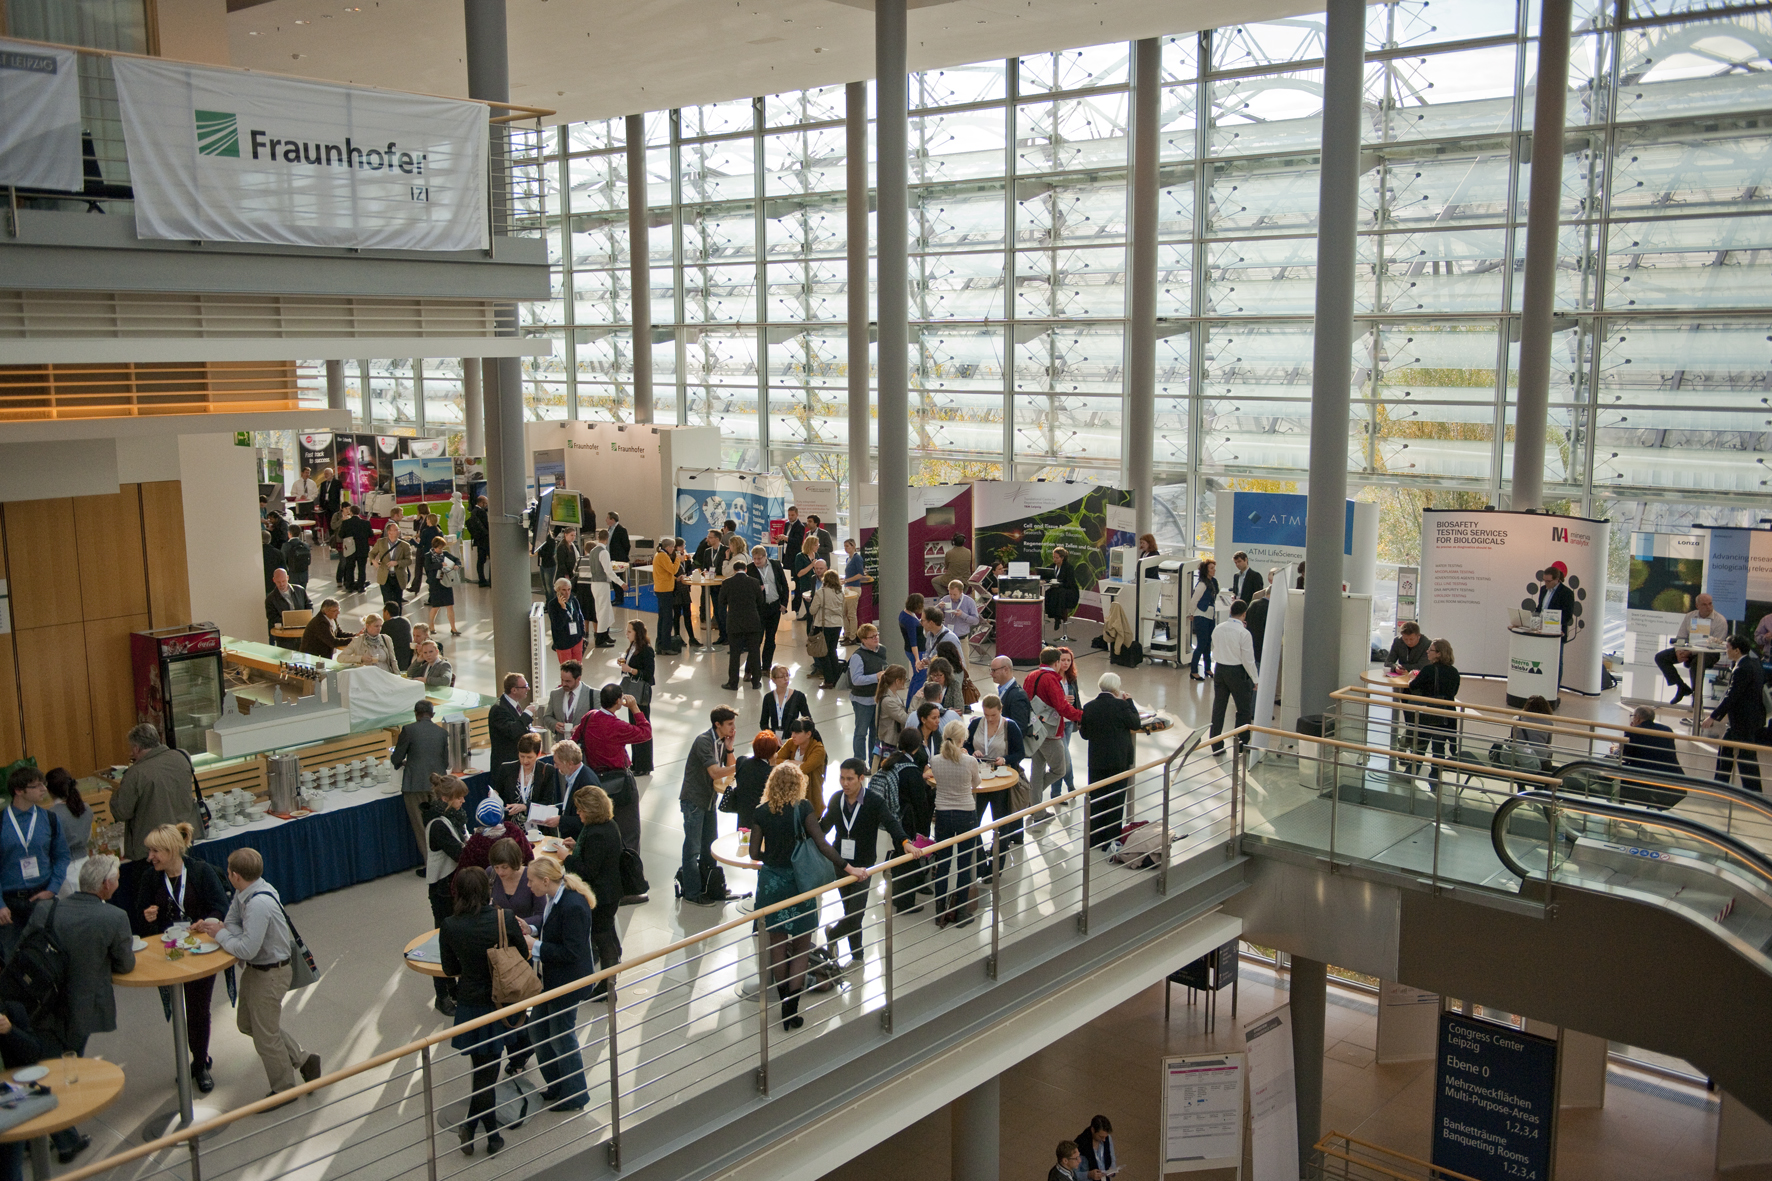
pixel 226 155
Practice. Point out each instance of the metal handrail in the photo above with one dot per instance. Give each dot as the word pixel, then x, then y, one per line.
pixel 1552 804
pixel 1432 1171
pixel 1729 794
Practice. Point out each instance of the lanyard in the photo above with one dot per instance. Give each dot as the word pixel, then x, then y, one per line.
pixel 24 837
pixel 178 900
pixel 849 817
pixel 525 784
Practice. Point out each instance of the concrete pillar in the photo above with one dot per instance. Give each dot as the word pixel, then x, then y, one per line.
pixel 1310 984
pixel 891 138
pixel 976 1122
pixel 1538 300
pixel 335 386
pixel 640 267
pixel 855 126
pixel 489 79
pixel 1141 311
pixel 1331 362
pixel 473 407
pixel 418 394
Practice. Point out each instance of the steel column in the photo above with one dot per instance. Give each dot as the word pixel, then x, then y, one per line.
pixel 891 136
pixel 640 267
pixel 1141 312
pixel 473 408
pixel 335 385
pixel 1310 982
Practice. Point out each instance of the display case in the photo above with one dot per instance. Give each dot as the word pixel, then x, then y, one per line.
pixel 178 682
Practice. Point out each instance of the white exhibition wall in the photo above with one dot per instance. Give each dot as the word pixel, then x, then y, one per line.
pixel 625 467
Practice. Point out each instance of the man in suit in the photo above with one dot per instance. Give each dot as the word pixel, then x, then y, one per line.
pixel 398 629
pixel 1246 581
pixel 422 750
pixel 480 533
pixel 825 544
pixel 298 555
pixel 95 937
pixel 569 764
pixel 526 780
pixel 711 755
pixel 767 571
pixel 1016 706
pixel 509 719
pixel 619 549
pixel 355 535
pixel 284 596
pixel 570 702
pixel 744 624
pixel 1554 595
pixel 322 636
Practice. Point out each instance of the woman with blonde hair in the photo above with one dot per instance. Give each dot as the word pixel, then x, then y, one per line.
pixel 785 819
pixel 179 891
pixel 596 859
pixel 956 776
pixel 563 945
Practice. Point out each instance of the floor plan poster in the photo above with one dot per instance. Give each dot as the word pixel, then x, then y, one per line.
pixel 1202 1112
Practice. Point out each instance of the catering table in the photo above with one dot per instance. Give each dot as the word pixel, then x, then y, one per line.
pixel 154 970
pixel 100 1084
pixel 726 853
pixel 361 836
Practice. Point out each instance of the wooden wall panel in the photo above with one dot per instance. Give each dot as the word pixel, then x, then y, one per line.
pixel 163 537
pixel 113 577
pixel 12 731
pixel 57 708
pixel 110 686
pixel 41 565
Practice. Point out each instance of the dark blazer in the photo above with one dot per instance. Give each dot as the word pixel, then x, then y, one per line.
pixel 504 725
pixel 464 940
pixel 1562 599
pixel 1743 705
pixel 1016 706
pixel 421 750
pixel 359 528
pixel 871 817
pixel 206 897
pixel 780 720
pixel 398 629
pixel 584 777
pixel 322 638
pixel 276 604
pixel 1648 752
pixel 747 787
pixel 1110 726
pixel 1062 594
pixel 796 537
pixel 1017 751
pixel 561 619
pixel 95 935
pixel 1244 584
pixel 645 664
pixel 546 789
pixel 619 547
pixel 744 606
pixel 1255 619
pixel 772 569
pixel 596 857
pixel 565 943
pixel 1440 681
pixel 478 527
pixel 330 492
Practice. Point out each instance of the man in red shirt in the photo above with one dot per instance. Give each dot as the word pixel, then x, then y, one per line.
pixel 605 739
pixel 1052 710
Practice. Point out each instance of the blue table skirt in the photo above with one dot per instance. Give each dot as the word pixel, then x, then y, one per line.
pixel 328 850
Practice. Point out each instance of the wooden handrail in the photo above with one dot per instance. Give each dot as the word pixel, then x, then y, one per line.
pixel 1433 1170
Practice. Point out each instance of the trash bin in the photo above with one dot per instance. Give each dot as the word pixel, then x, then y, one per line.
pixel 1311 752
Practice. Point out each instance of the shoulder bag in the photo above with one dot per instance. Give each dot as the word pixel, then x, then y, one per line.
pixel 303 971
pixel 513 978
pixel 969 692
pixel 451 573
pixel 811 869
pixel 815 643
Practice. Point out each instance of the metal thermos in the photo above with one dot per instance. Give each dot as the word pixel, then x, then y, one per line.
pixel 460 745
pixel 283 778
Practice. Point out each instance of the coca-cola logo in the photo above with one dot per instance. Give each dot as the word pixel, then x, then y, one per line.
pixel 190 645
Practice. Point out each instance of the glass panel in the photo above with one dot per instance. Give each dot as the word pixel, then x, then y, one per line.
pixel 601 297
pixel 1069 283
pixel 1685 168
pixel 1446 94
pixel 719 293
pixel 1175 280
pixel 958 146
pixel 1277 277
pixel 955 85
pixel 1274 113
pixel 1070 359
pixel 957 217
pixel 1563 454
pixel 1709 66
pixel 805 161
pixel 445 404
pixel 724 170
pixel 1068 426
pixel 811 290
pixel 1443 184
pixel 598 182
pixel 1706 263
pixel 1076 69
pixel 1395 26
pixel 1459 271
pixel 1240 47
pixel 599 239
pixel 818 105
pixel 1178 137
pixel 717 118
pixel 193 699
pixel 1072 133
pixel 1181 57
pixel 1434 400
pixel 725 233
pixel 1175 209
pixel 957 287
pixel 1074 209
pixel 604 357
pixel 795 226
pixel 809 388
pixel 594 134
pixel 598 402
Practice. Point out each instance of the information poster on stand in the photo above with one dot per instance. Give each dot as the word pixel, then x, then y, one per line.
pixel 1495 1091
pixel 1273 1097
pixel 706 500
pixel 1022 521
pixel 1202 1112
pixel 1738 577
pixel 1666 578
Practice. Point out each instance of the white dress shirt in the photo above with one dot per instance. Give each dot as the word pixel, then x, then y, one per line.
pixel 1232 644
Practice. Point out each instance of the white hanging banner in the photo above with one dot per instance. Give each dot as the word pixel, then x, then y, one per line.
pixel 1273 1097
pixel 226 155
pixel 40 134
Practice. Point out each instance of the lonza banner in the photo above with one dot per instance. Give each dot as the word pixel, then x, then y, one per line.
pixel 224 155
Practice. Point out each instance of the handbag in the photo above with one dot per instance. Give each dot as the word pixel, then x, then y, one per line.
pixel 303 971
pixel 969 691
pixel 811 870
pixel 639 690
pixel 816 645
pixel 451 575
pixel 513 977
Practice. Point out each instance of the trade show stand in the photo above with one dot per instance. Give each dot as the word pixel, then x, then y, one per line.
pixel 1533 657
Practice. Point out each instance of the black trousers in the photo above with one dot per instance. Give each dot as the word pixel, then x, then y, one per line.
pixel 355 571
pixel 1232 683
pixel 1728 756
pixel 855 902
pixel 771 621
pixel 442 900
pixel 743 644
pixel 482 555
pixel 998 803
pixel 1667 660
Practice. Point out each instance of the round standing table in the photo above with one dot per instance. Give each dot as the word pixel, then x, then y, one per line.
pixel 706 582
pixel 434 971
pixel 154 970
pixel 726 853
pixel 100 1084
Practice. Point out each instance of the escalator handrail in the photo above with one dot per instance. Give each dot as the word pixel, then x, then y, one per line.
pixel 1751 800
pixel 1740 850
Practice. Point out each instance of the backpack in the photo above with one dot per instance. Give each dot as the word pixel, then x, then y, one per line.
pixel 1043 720
pixel 1141 845
pixel 37 974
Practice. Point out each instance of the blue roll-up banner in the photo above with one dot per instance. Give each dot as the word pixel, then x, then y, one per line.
pixel 708 499
pixel 1495 1101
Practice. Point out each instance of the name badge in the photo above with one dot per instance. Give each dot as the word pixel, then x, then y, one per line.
pixel 845 850
pixel 572 627
pixel 27 866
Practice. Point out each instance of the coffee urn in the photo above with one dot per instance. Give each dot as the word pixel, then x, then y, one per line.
pixel 460 742
pixel 283 778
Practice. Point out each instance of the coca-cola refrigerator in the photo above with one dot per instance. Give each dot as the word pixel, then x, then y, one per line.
pixel 178 682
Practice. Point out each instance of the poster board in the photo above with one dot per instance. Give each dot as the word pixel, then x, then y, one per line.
pixel 707 499
pixel 1495 1100
pixel 1203 1112
pixel 1273 1097
pixel 816 498
pixel 1024 521
pixel 1738 578
pixel 1270 528
pixel 1478 565
pixel 409 485
pixel 318 452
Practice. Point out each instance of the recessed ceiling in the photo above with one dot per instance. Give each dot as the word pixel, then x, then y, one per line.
pixel 592 59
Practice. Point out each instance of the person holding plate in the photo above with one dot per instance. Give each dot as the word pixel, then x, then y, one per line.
pixel 175 894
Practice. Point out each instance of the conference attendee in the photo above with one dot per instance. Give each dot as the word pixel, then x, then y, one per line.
pixel 826 544
pixel 526 780
pixel 1051 711
pixel 599 571
pixel 959 611
pixel 76 820
pixel 421 752
pixel 1654 752
pixel 1233 651
pixel 1110 726
pixel 491 826
pixel 257 933
pixel 398 629
pixel 510 718
pixel 786 818
pixel 1202 614
pixel 751 773
pixel 441 597
pixel 568 702
pixel 322 636
pixel 1245 580
pixel 1070 1161
pixel 1715 626
pixel 510 891
pixel 742 596
pixel 800 568
pixel 620 548
pixel 370 648
pixel 605 739
pixel 182 889
pixel 304 491
pixel 562 945
pixel 569 764
pixel 95 942
pixel 795 536
pixel 355 537
pixel 596 857
pixel 1744 708
pixel 1408 652
pixel 783 703
pixel 1255 619
pixel 447 829
pixel 463 941
pixel 421 633
pixel 935 692
pixel 803 746
pixel 891 706
pixel 20 1047
pixel 957 776
pixel 957 562
pixel 866 664
pixel 664 590
pixel 392 560
pixel 853 819
pixel 639 667
pixel 160 787
pixel 1147 548
pixel 480 533
pixel 996 743
pixel 567 627
pixel 1529 738
pixel 768 571
pixel 854 564
pixel 1096 1145
pixel 326 503
pixel 824 611
pixel 910 630
pixel 1016 706
pixel 298 556
pixel 33 852
pixel 713 758
pixel 1438 681
pixel 936 631
pixel 285 595
pixel 271 555
pixel 429 666
pixel 1062 590
pixel 1555 595
pixel 942 676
